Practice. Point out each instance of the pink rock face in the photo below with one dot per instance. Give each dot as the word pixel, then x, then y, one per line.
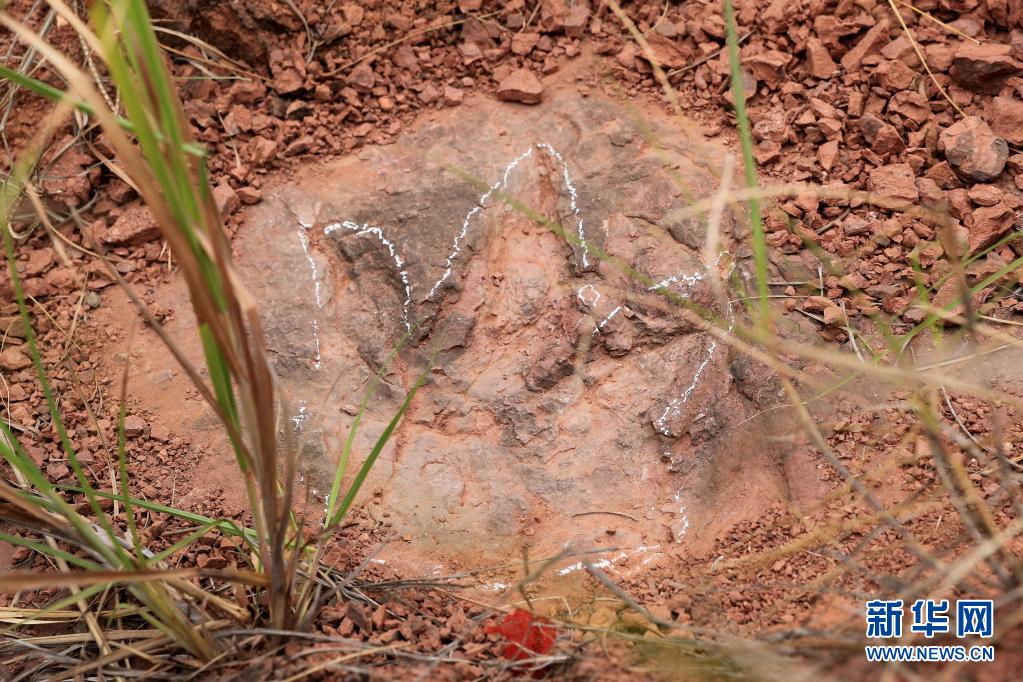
pixel 872 41
pixel 555 378
pixel 883 137
pixel 521 86
pixel 818 60
pixel 894 182
pixel 973 149
pixel 989 224
pixel 135 226
pixel 984 68
pixel 1006 118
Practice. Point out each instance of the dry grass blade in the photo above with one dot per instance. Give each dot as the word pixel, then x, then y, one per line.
pixel 30 580
pixel 923 59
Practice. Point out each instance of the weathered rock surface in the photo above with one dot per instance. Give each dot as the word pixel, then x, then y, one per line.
pixel 895 181
pixel 521 86
pixel 973 149
pixel 556 378
pixel 557 387
pixel 1006 118
pixel 135 226
pixel 984 68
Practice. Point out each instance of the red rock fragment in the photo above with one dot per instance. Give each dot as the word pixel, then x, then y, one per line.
pixel 895 181
pixel 134 425
pixel 226 199
pixel 830 29
pixel 768 67
pixel 666 52
pixel 362 78
pixel 989 224
pixel 883 137
pixel 985 195
pixel 943 175
pixel 973 149
pixel 14 358
pixel 1006 118
pixel 249 195
pixel 520 86
pixel 404 57
pixel 523 43
pixel 912 105
pixel 827 153
pixel 574 23
pixel 894 75
pixel 135 226
pixel 767 152
pixel 287 78
pixel 984 68
pixel 931 195
pixel 874 39
pixel 452 96
pixel 818 59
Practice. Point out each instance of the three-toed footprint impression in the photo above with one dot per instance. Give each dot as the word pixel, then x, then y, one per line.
pixel 536 265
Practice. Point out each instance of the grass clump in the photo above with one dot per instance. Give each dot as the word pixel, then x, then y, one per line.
pixel 158 156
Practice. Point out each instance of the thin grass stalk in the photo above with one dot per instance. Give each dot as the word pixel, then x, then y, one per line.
pixel 759 241
pixel 161 606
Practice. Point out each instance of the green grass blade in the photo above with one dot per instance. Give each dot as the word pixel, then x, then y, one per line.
pixel 342 465
pixel 360 478
pixel 225 526
pixel 52 552
pixel 122 475
pixel 749 164
pixel 53 94
pixel 185 541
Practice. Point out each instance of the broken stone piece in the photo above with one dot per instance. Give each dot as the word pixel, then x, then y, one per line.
pixel 973 149
pixel 135 226
pixel 895 181
pixel 818 59
pixel 989 224
pixel 521 86
pixel 984 68
pixel 1006 118
pixel 226 199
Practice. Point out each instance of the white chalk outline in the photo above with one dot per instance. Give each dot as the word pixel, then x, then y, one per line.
pixel 674 408
pixel 399 263
pixel 688 281
pixel 611 561
pixel 456 246
pixel 582 299
pixel 685 518
pixel 600 325
pixel 573 196
pixel 316 290
pixel 456 249
pixel 500 186
pixel 299 419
